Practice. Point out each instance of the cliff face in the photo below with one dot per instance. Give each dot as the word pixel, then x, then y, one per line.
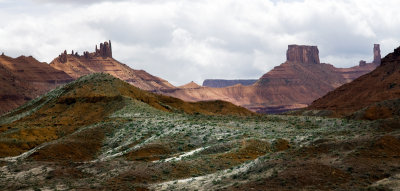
pixel 25 78
pixel 291 85
pixel 220 83
pixel 381 84
pixel 101 60
pixel 302 54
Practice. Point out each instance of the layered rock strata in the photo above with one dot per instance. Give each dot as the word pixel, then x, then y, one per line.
pixel 291 85
pixel 101 60
pixel 381 84
pixel 25 78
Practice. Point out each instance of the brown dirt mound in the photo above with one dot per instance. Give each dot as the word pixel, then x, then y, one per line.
pixel 387 146
pixel 281 145
pixel 82 146
pixel 149 152
pixel 377 112
pixel 66 171
pixel 150 173
pixel 374 161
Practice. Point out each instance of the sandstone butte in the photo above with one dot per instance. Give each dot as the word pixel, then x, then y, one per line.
pixel 25 78
pixel 377 86
pixel 101 60
pixel 291 85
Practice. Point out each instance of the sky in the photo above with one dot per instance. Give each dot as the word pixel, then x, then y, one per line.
pixel 193 40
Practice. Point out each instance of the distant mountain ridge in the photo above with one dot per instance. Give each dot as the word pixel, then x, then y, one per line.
pixel 220 83
pixel 294 84
pixel 101 60
pixel 25 78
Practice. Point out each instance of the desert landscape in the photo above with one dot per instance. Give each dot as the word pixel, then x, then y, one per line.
pixel 130 113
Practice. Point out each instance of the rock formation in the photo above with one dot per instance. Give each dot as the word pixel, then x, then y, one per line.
pixel 105 50
pixel 63 57
pixel 381 84
pixel 377 55
pixel 220 83
pixel 291 85
pixel 362 63
pixel 302 54
pixel 25 78
pixel 101 61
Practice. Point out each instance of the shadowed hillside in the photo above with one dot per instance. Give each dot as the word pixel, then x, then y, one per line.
pixel 85 101
pixel 379 85
pixel 24 78
pixel 101 133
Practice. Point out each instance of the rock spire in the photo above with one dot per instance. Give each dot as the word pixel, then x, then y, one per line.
pixel 105 49
pixel 377 55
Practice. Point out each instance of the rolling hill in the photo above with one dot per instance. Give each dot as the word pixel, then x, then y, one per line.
pixel 101 133
pixel 88 100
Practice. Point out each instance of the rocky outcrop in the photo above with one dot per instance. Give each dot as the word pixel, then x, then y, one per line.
pixel 25 78
pixel 291 85
pixel 362 63
pixel 101 61
pixel 381 84
pixel 220 83
pixel 302 54
pixel 105 49
pixel 63 57
pixel 377 55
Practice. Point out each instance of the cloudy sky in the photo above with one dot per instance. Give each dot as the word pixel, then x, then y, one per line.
pixel 185 40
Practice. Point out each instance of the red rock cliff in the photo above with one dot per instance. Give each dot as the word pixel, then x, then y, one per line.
pixel 302 54
pixel 101 60
pixel 377 55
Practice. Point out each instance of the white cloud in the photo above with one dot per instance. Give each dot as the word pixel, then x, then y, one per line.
pixel 183 40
